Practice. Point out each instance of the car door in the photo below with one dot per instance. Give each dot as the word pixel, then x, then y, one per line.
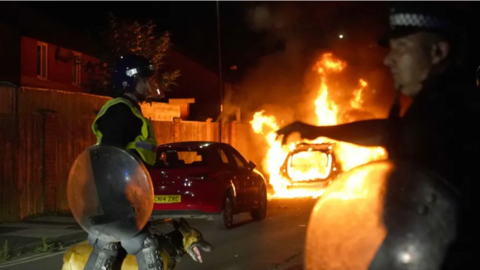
pixel 246 176
pixel 255 182
pixel 230 173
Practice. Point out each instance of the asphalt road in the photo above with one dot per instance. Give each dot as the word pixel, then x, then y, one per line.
pixel 271 244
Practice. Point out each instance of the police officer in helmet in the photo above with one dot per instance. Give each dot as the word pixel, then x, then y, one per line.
pixel 436 133
pixel 120 123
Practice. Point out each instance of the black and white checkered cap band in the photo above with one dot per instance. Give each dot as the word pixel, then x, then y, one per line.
pixel 417 20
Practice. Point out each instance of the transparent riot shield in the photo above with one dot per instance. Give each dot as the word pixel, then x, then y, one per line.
pixel 110 193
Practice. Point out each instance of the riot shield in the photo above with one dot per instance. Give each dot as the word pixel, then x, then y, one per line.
pixel 110 193
pixel 382 215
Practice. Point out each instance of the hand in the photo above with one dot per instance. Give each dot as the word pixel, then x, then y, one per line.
pixel 306 131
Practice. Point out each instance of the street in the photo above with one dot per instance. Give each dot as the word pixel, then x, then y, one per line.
pixel 269 244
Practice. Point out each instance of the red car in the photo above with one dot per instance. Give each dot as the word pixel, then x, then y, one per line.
pixel 207 179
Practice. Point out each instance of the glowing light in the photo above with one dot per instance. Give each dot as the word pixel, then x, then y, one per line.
pixel 405 257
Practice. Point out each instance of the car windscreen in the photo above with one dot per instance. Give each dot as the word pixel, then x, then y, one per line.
pixel 309 165
pixel 181 158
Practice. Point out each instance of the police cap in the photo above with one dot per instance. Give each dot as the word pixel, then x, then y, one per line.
pixel 406 18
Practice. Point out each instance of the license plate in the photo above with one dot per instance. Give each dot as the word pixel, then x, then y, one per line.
pixel 168 198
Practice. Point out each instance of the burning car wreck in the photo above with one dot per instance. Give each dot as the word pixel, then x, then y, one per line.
pixel 304 168
pixel 311 165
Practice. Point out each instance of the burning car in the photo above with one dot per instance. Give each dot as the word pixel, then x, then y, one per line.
pixel 310 164
pixel 300 170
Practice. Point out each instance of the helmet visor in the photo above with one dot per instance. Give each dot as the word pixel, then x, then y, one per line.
pixel 142 72
pixel 155 91
pixel 148 88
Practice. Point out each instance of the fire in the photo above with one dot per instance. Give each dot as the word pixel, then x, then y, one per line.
pixel 328 112
pixel 357 101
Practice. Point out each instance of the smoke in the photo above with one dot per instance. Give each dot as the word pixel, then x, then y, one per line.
pixel 296 34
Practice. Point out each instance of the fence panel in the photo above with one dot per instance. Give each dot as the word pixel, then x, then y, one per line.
pixel 9 206
pixel 21 181
pixel 74 136
pixel 193 131
pixel 214 132
pixel 30 165
pixel 164 131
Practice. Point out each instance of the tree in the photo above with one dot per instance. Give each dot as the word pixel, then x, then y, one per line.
pixel 129 37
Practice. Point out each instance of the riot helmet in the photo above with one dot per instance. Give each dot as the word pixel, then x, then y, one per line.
pixel 133 74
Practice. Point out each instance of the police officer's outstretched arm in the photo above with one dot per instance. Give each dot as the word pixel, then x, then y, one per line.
pixel 365 133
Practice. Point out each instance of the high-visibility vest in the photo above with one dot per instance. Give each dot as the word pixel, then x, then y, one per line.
pixel 145 144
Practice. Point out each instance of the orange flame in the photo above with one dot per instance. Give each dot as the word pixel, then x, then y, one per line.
pixel 327 112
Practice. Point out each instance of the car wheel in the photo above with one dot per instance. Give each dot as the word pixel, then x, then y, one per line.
pixel 224 221
pixel 261 211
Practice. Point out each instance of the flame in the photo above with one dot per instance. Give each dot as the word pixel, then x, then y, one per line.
pixel 357 101
pixel 328 113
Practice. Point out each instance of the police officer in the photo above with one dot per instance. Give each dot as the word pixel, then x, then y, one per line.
pixel 120 123
pixel 437 131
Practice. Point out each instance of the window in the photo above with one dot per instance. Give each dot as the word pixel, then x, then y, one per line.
pixel 309 165
pixel 189 157
pixel 223 156
pixel 239 161
pixel 42 58
pixel 77 69
pixel 180 158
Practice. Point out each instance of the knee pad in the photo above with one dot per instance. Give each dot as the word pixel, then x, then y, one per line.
pixel 145 248
pixel 103 256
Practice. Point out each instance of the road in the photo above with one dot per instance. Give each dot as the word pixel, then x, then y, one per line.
pixel 267 245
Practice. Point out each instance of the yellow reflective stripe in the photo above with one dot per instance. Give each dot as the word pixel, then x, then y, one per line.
pixel 145 133
pixel 145 145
